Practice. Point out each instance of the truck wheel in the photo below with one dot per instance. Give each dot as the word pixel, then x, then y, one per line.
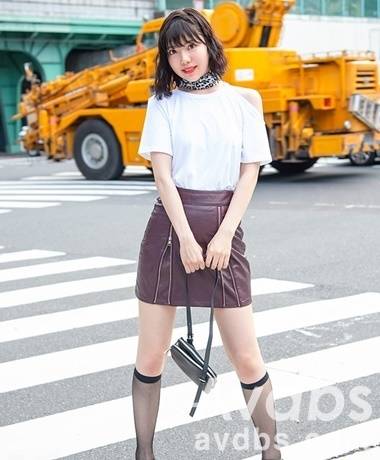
pixel 288 168
pixel 362 158
pixel 97 151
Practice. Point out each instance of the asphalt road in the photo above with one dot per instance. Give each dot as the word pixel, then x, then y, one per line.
pixel 68 317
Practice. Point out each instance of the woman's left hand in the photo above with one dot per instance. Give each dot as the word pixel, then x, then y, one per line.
pixel 218 251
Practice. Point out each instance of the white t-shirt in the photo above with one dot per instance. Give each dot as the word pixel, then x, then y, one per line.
pixel 207 136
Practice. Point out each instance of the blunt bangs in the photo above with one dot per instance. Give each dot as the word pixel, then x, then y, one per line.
pixel 182 32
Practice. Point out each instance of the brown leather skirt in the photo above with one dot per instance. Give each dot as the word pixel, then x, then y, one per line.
pixel 161 275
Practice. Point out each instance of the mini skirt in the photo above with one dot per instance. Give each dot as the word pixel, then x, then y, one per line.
pixel 161 275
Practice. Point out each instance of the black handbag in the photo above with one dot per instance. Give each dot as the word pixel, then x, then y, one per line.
pixel 189 360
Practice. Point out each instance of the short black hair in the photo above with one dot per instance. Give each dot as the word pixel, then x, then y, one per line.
pixel 179 27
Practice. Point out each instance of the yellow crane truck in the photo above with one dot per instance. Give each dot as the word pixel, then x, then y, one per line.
pixel 322 105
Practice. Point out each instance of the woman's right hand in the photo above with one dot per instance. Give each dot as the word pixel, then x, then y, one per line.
pixel 191 255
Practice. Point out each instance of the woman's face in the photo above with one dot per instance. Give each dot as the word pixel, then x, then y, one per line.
pixel 192 56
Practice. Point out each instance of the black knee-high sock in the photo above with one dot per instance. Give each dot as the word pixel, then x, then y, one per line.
pixel 146 400
pixel 260 402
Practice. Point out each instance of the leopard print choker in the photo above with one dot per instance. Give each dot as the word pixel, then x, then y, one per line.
pixel 207 80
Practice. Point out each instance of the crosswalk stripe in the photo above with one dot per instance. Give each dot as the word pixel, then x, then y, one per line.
pixel 53 198
pixel 82 429
pixel 30 254
pixel 267 322
pixel 107 185
pixel 337 443
pixel 69 174
pixel 65 266
pixel 261 286
pixel 53 179
pixel 27 204
pixel 66 289
pixel 33 326
pixel 115 353
pixel 4 211
pixel 58 192
pixel 116 311
pixel 86 286
pixel 129 169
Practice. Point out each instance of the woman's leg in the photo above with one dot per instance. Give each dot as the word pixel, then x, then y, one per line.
pixel 155 332
pixel 236 327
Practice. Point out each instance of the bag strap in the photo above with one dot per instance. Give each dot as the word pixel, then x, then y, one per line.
pixel 188 315
pixel 203 380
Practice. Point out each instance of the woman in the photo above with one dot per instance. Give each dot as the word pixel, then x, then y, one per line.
pixel 206 140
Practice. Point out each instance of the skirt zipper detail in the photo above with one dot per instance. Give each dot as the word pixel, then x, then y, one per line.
pixel 168 243
pixel 233 282
pixel 221 272
pixel 170 262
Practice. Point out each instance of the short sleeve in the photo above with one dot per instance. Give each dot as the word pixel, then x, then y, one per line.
pixel 255 144
pixel 155 136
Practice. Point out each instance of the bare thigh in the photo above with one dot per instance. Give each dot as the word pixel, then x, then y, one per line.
pixel 237 330
pixel 155 325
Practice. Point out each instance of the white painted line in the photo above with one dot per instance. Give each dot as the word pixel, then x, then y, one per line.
pixel 85 286
pixel 57 178
pixel 52 198
pixel 78 430
pixel 75 186
pixel 34 326
pixel 1 247
pixel 28 255
pixel 266 323
pixel 4 211
pixel 117 311
pixel 76 174
pixel 27 204
pixel 65 266
pixel 369 206
pixel 46 178
pixel 70 191
pixel 59 365
pixel 66 289
pixel 272 286
pixel 324 204
pixel 337 443
pixel 123 184
pixel 69 174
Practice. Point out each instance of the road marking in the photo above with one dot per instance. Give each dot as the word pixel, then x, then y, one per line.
pixel 268 322
pixel 52 198
pixel 69 174
pixel 66 289
pixel 369 206
pixel 65 266
pixel 324 204
pixel 122 184
pixel 70 191
pixel 27 204
pixel 273 286
pixel 28 255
